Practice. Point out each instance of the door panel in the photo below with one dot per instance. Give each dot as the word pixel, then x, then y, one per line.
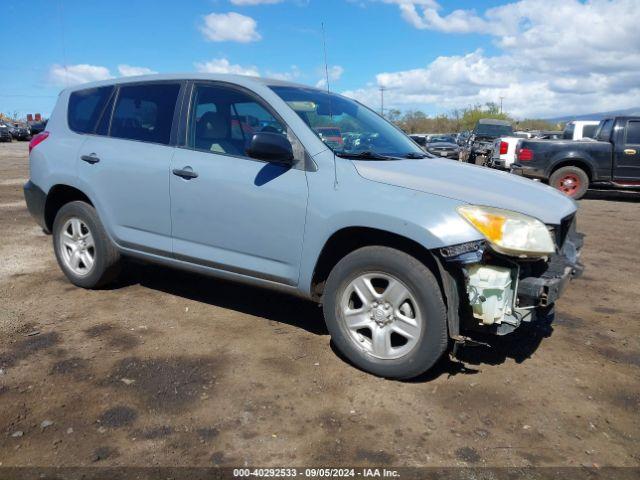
pixel 126 169
pixel 238 214
pixel 229 211
pixel 130 184
pixel 627 152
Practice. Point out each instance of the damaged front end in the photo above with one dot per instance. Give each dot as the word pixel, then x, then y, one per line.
pixel 496 293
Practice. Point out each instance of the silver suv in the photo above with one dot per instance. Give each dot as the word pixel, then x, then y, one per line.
pixel 308 192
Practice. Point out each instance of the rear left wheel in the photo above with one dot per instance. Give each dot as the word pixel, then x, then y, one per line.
pixel 570 180
pixel 83 250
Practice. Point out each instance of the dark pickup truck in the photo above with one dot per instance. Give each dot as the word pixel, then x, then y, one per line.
pixel 611 160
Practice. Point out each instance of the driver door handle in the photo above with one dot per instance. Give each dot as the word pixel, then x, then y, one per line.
pixel 92 158
pixel 629 151
pixel 187 173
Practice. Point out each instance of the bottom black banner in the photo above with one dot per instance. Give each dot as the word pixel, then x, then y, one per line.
pixel 427 473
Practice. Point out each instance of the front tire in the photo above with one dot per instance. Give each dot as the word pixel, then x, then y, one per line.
pixel 385 313
pixel 83 250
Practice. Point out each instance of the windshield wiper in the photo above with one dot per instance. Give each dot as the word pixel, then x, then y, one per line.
pixel 367 154
pixel 415 155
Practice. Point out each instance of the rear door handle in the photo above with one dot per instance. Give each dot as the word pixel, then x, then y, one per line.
pixel 187 173
pixel 93 158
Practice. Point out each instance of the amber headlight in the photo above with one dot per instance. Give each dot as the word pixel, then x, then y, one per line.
pixel 510 233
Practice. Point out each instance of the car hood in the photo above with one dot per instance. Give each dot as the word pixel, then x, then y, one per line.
pixel 471 184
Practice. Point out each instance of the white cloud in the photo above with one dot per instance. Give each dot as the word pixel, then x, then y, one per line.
pixel 554 57
pixel 254 2
pixel 292 74
pixel 76 74
pixel 222 65
pixel 83 73
pixel 335 73
pixel 130 71
pixel 229 27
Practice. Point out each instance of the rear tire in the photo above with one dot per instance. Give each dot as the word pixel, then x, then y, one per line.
pixel 83 249
pixel 385 313
pixel 570 180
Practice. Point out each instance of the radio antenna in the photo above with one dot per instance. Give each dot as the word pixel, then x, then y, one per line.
pixel 326 64
pixel 326 77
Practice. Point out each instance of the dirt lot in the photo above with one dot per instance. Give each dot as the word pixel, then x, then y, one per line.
pixel 168 368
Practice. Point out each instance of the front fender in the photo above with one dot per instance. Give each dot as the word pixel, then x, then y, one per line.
pixel 428 220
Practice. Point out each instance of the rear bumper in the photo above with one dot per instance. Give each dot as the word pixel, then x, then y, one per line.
pixel 498 163
pixel 36 200
pixel 529 171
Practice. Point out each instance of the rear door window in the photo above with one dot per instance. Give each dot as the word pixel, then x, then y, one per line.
pixel 145 112
pixel 633 133
pixel 86 107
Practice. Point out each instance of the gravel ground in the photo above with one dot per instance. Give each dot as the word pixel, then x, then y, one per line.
pixel 171 369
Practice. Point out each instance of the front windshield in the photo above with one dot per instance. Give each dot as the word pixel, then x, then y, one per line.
pixel 490 130
pixel 345 126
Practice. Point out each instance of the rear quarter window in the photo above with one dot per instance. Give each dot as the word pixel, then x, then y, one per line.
pixel 85 108
pixel 589 131
pixel 567 134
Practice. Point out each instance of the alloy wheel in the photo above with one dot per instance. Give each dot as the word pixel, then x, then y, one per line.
pixel 381 315
pixel 77 246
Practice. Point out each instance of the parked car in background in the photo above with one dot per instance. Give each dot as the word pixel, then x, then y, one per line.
pixel 462 137
pixel 419 138
pixel 611 160
pixel 37 127
pixel 479 146
pixel 5 133
pixel 442 146
pixel 579 129
pixel 330 135
pixel 503 151
pixel 20 131
pixel 405 253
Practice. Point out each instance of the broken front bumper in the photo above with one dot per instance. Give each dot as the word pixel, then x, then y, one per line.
pixel 496 294
pixel 545 289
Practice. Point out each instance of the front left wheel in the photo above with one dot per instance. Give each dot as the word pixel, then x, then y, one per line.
pixel 385 313
pixel 83 250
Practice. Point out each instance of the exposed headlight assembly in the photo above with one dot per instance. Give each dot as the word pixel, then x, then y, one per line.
pixel 510 233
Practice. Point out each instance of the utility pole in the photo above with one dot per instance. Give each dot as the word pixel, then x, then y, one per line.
pixel 501 98
pixel 382 89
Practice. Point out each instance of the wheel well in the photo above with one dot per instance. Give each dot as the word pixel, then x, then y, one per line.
pixel 572 162
pixel 58 196
pixel 349 239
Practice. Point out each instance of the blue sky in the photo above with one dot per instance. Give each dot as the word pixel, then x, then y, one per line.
pixel 431 55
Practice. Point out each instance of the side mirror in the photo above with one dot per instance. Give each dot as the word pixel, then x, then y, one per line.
pixel 271 147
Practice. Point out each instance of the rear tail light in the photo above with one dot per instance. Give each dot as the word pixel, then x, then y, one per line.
pixel 504 146
pixel 37 140
pixel 525 154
